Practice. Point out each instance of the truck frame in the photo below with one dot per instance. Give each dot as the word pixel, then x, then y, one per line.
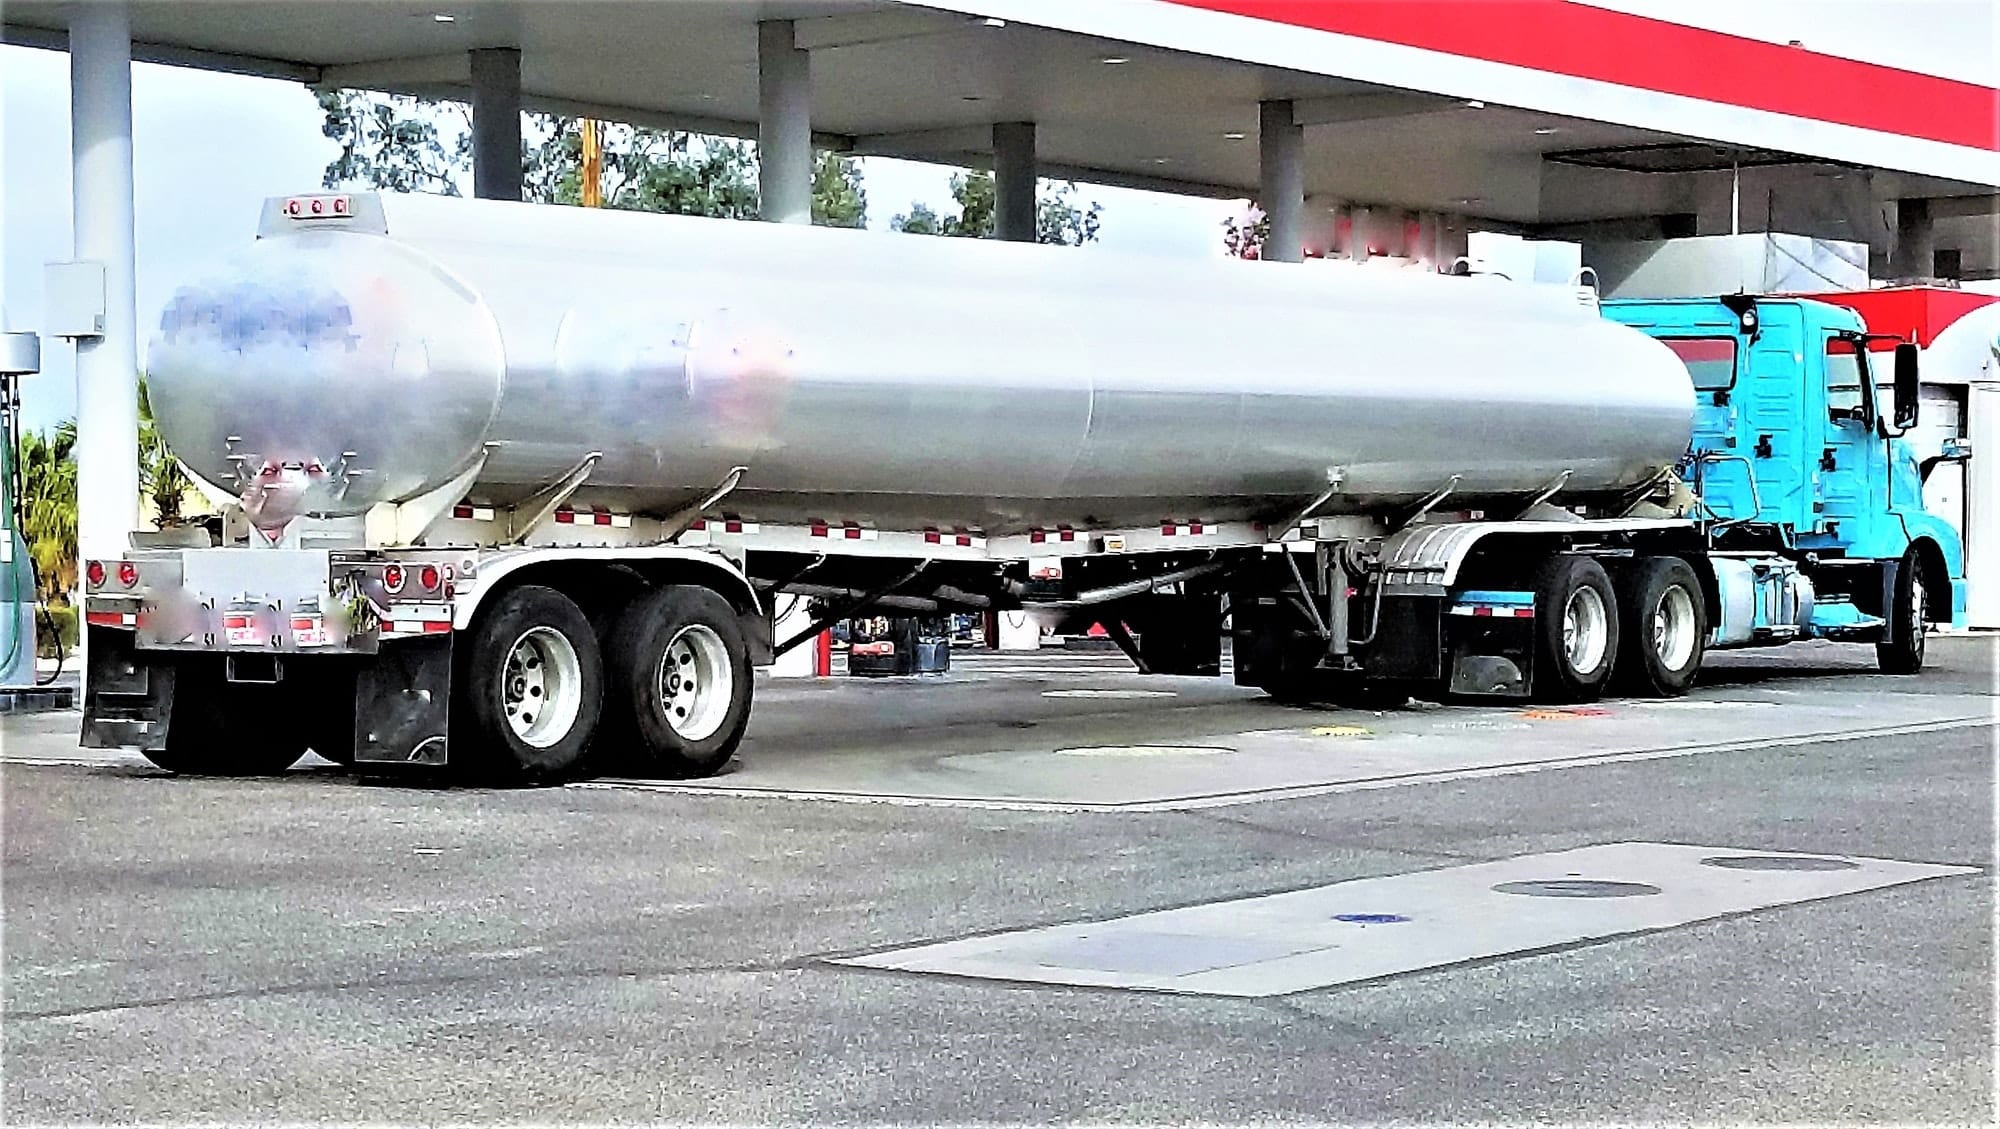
pixel 539 642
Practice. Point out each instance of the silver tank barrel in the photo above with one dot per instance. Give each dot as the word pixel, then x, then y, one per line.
pixel 898 379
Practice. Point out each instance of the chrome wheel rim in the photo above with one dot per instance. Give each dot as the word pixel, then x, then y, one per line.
pixel 1673 628
pixel 1586 631
pixel 542 687
pixel 696 682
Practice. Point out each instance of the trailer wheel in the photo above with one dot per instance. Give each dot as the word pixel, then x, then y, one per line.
pixel 679 677
pixel 1901 650
pixel 1665 629
pixel 1576 630
pixel 530 688
pixel 218 728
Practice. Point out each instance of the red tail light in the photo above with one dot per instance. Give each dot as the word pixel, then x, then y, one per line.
pixel 128 573
pixel 94 572
pixel 392 578
pixel 429 578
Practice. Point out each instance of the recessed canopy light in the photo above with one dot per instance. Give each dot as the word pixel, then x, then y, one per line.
pixel 1470 200
pixel 1475 104
pixel 971 98
pixel 1546 130
pixel 442 18
pixel 1162 160
pixel 1235 135
pixel 992 21
pixel 1114 60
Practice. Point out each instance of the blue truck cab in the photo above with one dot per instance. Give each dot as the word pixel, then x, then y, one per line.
pixel 1798 471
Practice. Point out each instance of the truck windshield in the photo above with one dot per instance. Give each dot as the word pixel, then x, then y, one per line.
pixel 1711 361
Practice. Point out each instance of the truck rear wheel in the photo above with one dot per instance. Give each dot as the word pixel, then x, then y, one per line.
pixel 1665 629
pixel 530 689
pixel 1576 630
pixel 220 728
pixel 679 677
pixel 1901 650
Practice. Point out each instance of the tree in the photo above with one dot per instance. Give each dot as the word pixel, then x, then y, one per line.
pixel 163 481
pixel 48 504
pixel 1057 218
pixel 391 141
pixel 395 142
pixel 838 198
pixel 1243 236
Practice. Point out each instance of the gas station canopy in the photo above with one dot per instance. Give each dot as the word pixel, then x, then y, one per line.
pixel 1480 109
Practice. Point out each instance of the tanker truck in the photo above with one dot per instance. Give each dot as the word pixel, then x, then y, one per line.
pixel 513 488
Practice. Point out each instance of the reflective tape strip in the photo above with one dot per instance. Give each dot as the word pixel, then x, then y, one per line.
pixel 111 619
pixel 473 513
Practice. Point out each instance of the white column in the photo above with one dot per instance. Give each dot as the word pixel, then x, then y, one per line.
pixel 1982 506
pixel 107 367
pixel 1019 632
pixel 784 125
pixel 496 123
pixel 794 614
pixel 1014 181
pixel 1281 180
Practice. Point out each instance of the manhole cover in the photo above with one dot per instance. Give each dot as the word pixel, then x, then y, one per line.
pixel 1143 751
pixel 1777 862
pixel 1577 888
pixel 1370 918
pixel 1107 693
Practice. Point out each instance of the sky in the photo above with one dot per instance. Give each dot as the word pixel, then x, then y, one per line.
pixel 208 148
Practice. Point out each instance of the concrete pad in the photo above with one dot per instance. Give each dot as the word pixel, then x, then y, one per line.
pixel 1371 928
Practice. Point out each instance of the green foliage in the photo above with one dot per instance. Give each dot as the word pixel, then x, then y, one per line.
pixel 838 198
pixel 1057 217
pixel 63 619
pixel 48 503
pixel 163 481
pixel 392 141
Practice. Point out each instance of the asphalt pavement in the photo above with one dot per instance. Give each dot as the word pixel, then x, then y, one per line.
pixel 315 948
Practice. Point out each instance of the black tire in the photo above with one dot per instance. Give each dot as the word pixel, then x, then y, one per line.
pixel 1664 628
pixel 522 655
pixel 221 728
pixel 1901 650
pixel 694 630
pixel 1563 582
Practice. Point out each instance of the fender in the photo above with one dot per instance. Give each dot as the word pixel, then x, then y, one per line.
pixel 726 577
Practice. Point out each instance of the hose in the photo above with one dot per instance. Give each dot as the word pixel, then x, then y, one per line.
pixel 10 433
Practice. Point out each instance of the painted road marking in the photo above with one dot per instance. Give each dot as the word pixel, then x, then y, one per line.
pixel 1281 792
pixel 1370 928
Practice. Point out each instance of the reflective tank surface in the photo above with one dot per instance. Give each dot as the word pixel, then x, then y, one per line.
pixel 884 378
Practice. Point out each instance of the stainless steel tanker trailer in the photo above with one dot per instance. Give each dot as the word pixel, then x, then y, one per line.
pixel 514 486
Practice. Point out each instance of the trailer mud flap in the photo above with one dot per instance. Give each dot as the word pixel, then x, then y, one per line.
pixel 127 697
pixel 402 704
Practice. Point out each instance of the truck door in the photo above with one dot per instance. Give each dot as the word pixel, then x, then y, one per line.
pixel 1849 449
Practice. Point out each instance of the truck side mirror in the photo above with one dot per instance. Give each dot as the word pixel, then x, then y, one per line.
pixel 1908 388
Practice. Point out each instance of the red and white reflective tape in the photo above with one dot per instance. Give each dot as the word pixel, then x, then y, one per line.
pixel 472 513
pixel 959 536
pixel 111 619
pixel 1186 529
pixel 1493 611
pixel 726 525
pixel 404 627
pixel 845 531
pixel 567 516
pixel 1059 533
